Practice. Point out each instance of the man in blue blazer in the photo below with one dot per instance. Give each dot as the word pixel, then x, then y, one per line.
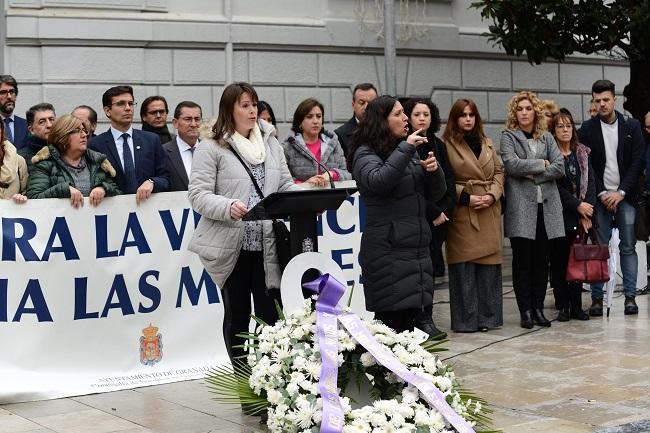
pixel 617 156
pixel 15 126
pixel 137 156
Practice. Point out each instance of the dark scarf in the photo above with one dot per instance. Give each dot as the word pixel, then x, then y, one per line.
pixel 474 143
pixel 163 132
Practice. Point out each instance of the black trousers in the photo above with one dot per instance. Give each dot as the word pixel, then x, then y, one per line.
pixel 399 320
pixel 567 295
pixel 248 278
pixel 530 267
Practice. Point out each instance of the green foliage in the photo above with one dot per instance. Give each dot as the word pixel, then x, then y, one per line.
pixel 545 29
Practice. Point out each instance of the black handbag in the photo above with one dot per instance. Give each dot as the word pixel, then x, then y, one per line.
pixel 282 234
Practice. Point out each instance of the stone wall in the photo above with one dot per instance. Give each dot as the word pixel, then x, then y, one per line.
pixel 68 52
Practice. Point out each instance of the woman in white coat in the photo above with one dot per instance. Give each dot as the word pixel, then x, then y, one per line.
pixel 240 256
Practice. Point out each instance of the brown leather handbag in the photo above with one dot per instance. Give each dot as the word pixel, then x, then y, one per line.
pixel 588 263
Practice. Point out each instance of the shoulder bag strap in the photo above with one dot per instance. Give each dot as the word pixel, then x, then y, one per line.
pixel 248 170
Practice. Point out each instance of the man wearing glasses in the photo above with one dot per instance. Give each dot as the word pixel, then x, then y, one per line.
pixel 153 113
pixel 179 151
pixel 137 155
pixel 15 127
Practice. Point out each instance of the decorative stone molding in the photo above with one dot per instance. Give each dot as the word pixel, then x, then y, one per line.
pixel 140 5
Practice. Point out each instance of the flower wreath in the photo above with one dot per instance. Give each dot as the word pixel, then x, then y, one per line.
pixel 284 366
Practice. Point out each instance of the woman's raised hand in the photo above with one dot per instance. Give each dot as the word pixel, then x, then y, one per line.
pixel 416 139
pixel 430 164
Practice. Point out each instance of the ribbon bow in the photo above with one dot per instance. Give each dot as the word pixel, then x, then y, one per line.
pixel 328 314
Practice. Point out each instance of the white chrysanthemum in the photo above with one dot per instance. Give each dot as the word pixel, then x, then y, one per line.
pixel 312 369
pixel 292 389
pixel 304 412
pixel 274 369
pixel 378 419
pixel 442 383
pixel 410 394
pixel 357 426
pixel 274 397
pixel 367 359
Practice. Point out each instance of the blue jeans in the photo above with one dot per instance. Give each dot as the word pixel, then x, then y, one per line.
pixel 623 219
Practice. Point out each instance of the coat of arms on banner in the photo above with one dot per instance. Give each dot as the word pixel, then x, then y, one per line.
pixel 150 346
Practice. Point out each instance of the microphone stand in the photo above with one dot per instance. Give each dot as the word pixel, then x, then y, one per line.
pixel 321 165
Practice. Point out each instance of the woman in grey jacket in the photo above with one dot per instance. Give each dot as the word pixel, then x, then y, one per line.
pixel 310 143
pixel 533 213
pixel 240 256
pixel 396 187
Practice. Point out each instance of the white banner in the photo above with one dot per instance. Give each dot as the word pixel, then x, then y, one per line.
pixel 108 298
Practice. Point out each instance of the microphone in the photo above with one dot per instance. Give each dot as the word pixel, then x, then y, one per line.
pixel 321 165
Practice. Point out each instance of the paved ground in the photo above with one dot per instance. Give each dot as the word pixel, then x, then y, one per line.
pixel 574 377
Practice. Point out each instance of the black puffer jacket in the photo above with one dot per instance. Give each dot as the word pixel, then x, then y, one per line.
pixel 394 257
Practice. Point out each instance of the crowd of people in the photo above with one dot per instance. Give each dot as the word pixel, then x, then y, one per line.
pixel 546 179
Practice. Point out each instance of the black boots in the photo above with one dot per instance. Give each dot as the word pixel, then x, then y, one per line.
pixel 424 322
pixel 534 317
pixel 630 306
pixel 564 315
pixel 596 309
pixel 527 319
pixel 539 319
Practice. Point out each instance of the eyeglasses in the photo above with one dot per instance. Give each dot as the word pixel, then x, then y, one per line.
pixel 123 104
pixel 79 131
pixel 157 112
pixel 12 92
pixel 561 126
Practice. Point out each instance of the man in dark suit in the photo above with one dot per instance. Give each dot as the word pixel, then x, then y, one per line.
pixel 137 155
pixel 40 119
pixel 361 95
pixel 179 151
pixel 617 157
pixel 15 126
pixel 153 113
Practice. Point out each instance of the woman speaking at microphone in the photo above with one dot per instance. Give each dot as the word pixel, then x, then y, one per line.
pixel 396 187
pixel 240 256
pixel 311 144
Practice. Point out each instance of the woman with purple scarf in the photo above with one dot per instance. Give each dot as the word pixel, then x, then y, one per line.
pixel 578 195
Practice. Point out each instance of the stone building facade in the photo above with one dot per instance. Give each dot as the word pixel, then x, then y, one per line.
pixel 67 52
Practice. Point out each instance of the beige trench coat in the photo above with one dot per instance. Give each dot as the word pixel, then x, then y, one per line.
pixel 13 173
pixel 475 236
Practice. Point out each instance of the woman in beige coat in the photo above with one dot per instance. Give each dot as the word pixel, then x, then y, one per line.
pixel 474 241
pixel 13 171
pixel 240 256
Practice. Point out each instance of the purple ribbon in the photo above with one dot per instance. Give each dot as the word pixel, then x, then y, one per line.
pixel 330 291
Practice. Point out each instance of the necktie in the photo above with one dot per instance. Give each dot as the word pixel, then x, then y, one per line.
pixel 8 135
pixel 131 184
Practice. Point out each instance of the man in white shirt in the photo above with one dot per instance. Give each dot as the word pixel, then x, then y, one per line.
pixel 179 151
pixel 136 155
pixel 617 156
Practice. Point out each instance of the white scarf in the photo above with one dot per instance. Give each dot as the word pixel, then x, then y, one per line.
pixel 252 149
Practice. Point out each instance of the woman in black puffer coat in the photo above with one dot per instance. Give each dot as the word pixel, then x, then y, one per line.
pixel 396 187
